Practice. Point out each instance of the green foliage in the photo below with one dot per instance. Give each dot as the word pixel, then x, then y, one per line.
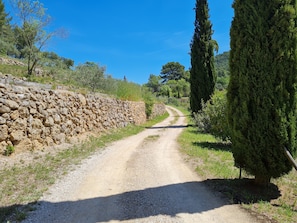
pixel 262 89
pixel 172 71
pixel 7 46
pixel 31 36
pixel 202 119
pixel 173 81
pixel 203 77
pixel 51 59
pixel 89 75
pixel 149 101
pixel 3 15
pixel 165 90
pixel 9 150
pixel 170 87
pixel 180 88
pixel 212 118
pixel 221 64
pixel 109 85
pixel 154 83
pixel 128 91
pixel 173 101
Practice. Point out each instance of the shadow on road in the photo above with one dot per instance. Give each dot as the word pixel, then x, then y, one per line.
pixel 169 127
pixel 244 191
pixel 219 146
pixel 170 200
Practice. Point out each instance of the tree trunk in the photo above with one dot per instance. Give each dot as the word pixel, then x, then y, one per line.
pixel 29 72
pixel 262 180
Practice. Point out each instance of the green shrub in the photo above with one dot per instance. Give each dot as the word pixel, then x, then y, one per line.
pixel 128 91
pixel 173 101
pixel 212 118
pixel 202 119
pixel 9 150
pixel 149 101
pixel 89 75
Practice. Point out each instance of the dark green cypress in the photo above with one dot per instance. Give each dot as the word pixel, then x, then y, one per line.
pixel 262 89
pixel 203 77
pixel 3 16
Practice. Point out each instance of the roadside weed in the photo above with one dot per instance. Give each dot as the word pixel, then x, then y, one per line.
pixel 9 150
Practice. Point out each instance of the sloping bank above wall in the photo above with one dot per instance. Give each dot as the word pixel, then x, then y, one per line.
pixel 32 118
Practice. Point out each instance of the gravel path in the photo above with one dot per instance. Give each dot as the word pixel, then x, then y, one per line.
pixel 142 178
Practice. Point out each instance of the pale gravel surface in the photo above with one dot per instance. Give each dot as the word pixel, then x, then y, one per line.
pixel 142 178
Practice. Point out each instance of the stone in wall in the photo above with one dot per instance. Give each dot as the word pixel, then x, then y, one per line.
pixel 138 112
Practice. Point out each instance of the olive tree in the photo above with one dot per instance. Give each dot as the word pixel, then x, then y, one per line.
pixel 30 32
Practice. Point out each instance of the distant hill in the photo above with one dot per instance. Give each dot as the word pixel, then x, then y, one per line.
pixel 221 64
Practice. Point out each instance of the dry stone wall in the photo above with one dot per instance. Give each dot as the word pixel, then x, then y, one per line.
pixel 158 109
pixel 32 118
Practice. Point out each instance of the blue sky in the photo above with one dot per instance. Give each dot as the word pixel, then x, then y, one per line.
pixel 132 38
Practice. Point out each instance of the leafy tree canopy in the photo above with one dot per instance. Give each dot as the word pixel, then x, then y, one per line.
pixel 172 71
pixel 31 33
pixel 90 75
pixel 154 83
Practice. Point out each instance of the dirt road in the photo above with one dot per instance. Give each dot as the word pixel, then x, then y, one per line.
pixel 142 178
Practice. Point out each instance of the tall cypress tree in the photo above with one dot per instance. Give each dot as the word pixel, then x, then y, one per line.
pixel 4 20
pixel 6 33
pixel 203 76
pixel 262 89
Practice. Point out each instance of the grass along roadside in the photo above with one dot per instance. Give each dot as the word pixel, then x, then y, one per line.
pixel 22 185
pixel 213 161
